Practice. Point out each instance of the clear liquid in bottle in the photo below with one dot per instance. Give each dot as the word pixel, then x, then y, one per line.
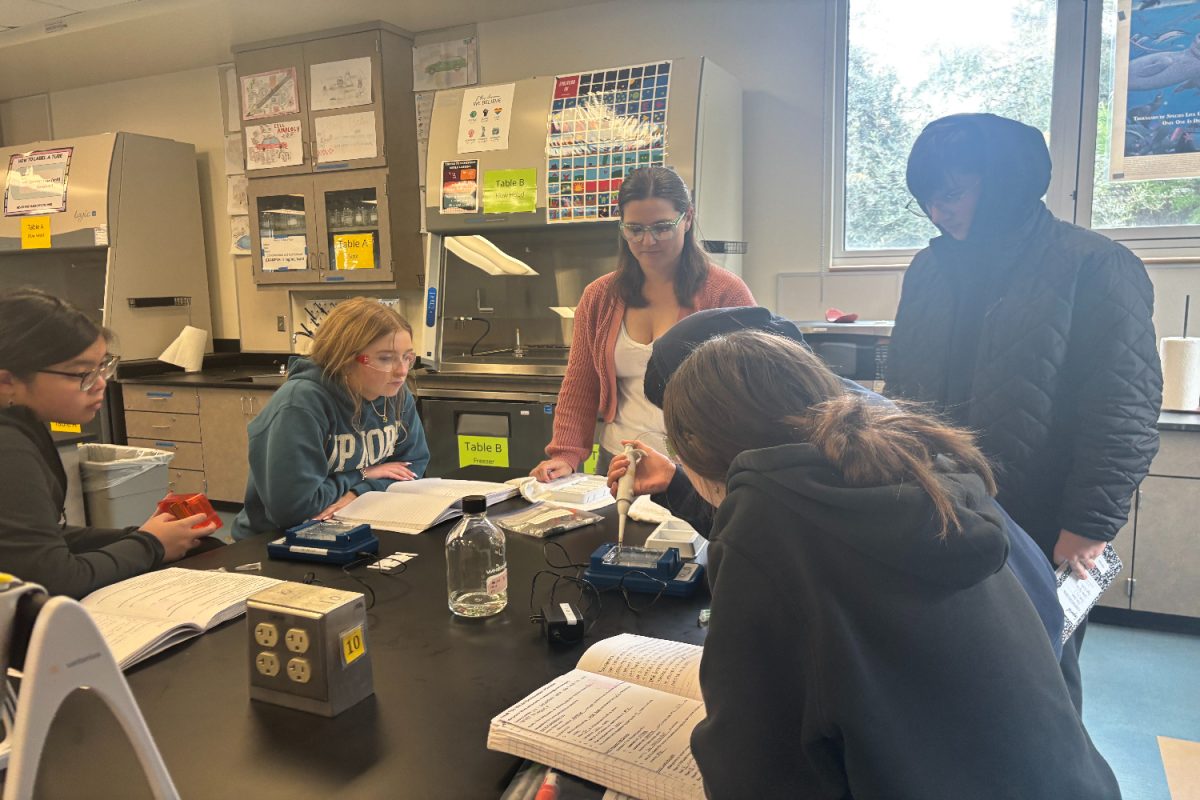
pixel 476 566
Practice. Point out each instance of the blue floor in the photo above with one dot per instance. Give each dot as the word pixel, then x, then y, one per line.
pixel 1138 685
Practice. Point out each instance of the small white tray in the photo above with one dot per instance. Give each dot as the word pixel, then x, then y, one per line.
pixel 677 533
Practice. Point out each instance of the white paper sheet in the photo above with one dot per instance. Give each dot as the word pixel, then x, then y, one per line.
pixel 340 84
pixel 270 94
pixel 443 65
pixel 233 117
pixel 274 144
pixel 235 162
pixel 239 236
pixel 483 119
pixel 37 182
pixel 284 253
pixel 235 195
pixel 346 137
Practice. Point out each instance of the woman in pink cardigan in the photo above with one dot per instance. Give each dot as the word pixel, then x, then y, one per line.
pixel 662 276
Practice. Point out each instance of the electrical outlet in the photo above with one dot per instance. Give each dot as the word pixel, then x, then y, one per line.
pixel 266 634
pixel 298 669
pixel 280 323
pixel 268 664
pixel 296 639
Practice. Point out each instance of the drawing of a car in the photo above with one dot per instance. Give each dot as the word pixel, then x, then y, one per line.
pixel 446 65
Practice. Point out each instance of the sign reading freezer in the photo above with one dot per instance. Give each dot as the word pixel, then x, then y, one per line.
pixel 602 126
pixel 37 182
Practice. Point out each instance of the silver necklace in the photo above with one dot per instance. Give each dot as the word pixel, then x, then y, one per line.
pixel 382 414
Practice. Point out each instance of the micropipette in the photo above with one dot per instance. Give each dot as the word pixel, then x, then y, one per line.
pixel 625 491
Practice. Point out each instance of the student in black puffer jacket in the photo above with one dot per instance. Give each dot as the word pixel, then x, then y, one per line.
pixel 865 640
pixel 1033 332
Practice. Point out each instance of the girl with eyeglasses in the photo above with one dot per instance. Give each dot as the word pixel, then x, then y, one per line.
pixel 54 365
pixel 662 276
pixel 342 424
pixel 866 640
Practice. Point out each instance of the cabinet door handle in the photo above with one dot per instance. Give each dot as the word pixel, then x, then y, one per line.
pixel 161 427
pixel 242 404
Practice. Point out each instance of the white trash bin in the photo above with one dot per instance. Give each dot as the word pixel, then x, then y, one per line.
pixel 122 485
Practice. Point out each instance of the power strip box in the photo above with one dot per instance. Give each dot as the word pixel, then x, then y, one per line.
pixel 308 648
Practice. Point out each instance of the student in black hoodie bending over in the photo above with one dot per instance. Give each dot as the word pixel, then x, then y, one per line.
pixel 54 365
pixel 865 640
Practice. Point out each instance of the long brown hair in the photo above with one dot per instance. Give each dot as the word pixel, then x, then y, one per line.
pixel 349 329
pixel 644 184
pixel 780 393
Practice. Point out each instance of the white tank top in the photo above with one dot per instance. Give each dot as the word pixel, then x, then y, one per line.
pixel 637 417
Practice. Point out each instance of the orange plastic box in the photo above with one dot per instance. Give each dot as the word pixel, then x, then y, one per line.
pixel 182 506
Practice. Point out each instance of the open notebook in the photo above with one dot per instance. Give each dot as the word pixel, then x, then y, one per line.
pixel 415 506
pixel 623 718
pixel 142 616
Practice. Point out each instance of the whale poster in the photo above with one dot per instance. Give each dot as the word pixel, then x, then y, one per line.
pixel 1156 91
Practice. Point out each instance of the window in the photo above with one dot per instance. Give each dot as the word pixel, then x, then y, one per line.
pixel 1048 63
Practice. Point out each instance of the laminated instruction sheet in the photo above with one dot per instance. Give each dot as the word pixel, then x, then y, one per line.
pixel 602 126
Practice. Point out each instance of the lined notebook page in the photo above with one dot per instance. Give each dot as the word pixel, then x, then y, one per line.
pixel 617 734
pixel 453 489
pixel 402 513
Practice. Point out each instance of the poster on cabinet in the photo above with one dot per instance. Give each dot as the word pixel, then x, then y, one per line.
pixel 270 94
pixel 346 137
pixel 340 84
pixel 483 121
pixel 274 144
pixel 284 253
pixel 37 182
pixel 460 187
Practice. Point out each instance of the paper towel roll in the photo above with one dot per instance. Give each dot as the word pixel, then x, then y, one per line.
pixel 187 350
pixel 1181 373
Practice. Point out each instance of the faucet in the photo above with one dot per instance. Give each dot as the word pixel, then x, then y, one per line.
pixel 518 351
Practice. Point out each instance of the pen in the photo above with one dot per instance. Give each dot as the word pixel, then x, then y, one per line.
pixel 549 789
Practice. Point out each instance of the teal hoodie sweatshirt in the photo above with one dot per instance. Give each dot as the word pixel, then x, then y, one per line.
pixel 305 452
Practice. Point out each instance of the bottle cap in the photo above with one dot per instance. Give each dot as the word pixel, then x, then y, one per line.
pixel 474 504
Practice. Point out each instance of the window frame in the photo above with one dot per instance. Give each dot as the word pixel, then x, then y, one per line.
pixel 1073 127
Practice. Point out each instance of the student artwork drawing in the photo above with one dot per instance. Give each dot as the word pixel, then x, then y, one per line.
pixel 270 94
pixel 602 126
pixel 1156 99
pixel 340 84
pixel 274 144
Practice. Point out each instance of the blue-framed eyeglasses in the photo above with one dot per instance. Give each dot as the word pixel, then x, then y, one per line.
pixel 658 231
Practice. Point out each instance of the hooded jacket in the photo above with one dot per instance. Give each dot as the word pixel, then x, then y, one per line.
pixel 307 449
pixel 35 544
pixel 854 653
pixel 1037 334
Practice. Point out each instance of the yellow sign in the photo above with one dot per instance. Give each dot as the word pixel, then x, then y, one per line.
pixel 353 645
pixel 508 191
pixel 354 251
pixel 66 427
pixel 482 451
pixel 35 233
pixel 589 466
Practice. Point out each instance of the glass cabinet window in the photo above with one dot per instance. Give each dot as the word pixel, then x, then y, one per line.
pixel 283 232
pixel 352 225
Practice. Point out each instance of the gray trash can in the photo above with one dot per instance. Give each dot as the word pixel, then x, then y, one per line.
pixel 122 485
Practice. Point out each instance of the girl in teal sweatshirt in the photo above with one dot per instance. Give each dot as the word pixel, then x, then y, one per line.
pixel 342 424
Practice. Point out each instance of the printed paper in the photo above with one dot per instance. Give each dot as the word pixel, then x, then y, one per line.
pixel 460 187
pixel 346 137
pixel 284 253
pixel 602 126
pixel 233 118
pixel 354 251
pixel 1156 91
pixel 239 236
pixel 509 191
pixel 444 65
pixel 37 182
pixel 235 200
pixel 274 144
pixel 270 94
pixel 235 162
pixel 483 121
pixel 35 233
pixel 340 84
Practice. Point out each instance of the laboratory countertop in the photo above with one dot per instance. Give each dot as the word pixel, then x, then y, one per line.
pixel 1179 421
pixel 220 371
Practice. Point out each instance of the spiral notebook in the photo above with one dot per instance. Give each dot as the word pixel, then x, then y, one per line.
pixel 416 506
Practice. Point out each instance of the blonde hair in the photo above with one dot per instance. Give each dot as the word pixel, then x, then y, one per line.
pixel 349 329
pixel 780 393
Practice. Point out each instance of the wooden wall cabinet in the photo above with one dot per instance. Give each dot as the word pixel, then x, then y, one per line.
pixel 1157 546
pixel 343 200
pixel 204 427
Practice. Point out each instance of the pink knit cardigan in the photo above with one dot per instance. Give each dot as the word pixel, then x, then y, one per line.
pixel 590 386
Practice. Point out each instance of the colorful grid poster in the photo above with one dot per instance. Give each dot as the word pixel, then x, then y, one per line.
pixel 602 126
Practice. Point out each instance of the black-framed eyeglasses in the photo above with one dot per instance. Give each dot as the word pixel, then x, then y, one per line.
pixel 941 200
pixel 87 379
pixel 658 231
